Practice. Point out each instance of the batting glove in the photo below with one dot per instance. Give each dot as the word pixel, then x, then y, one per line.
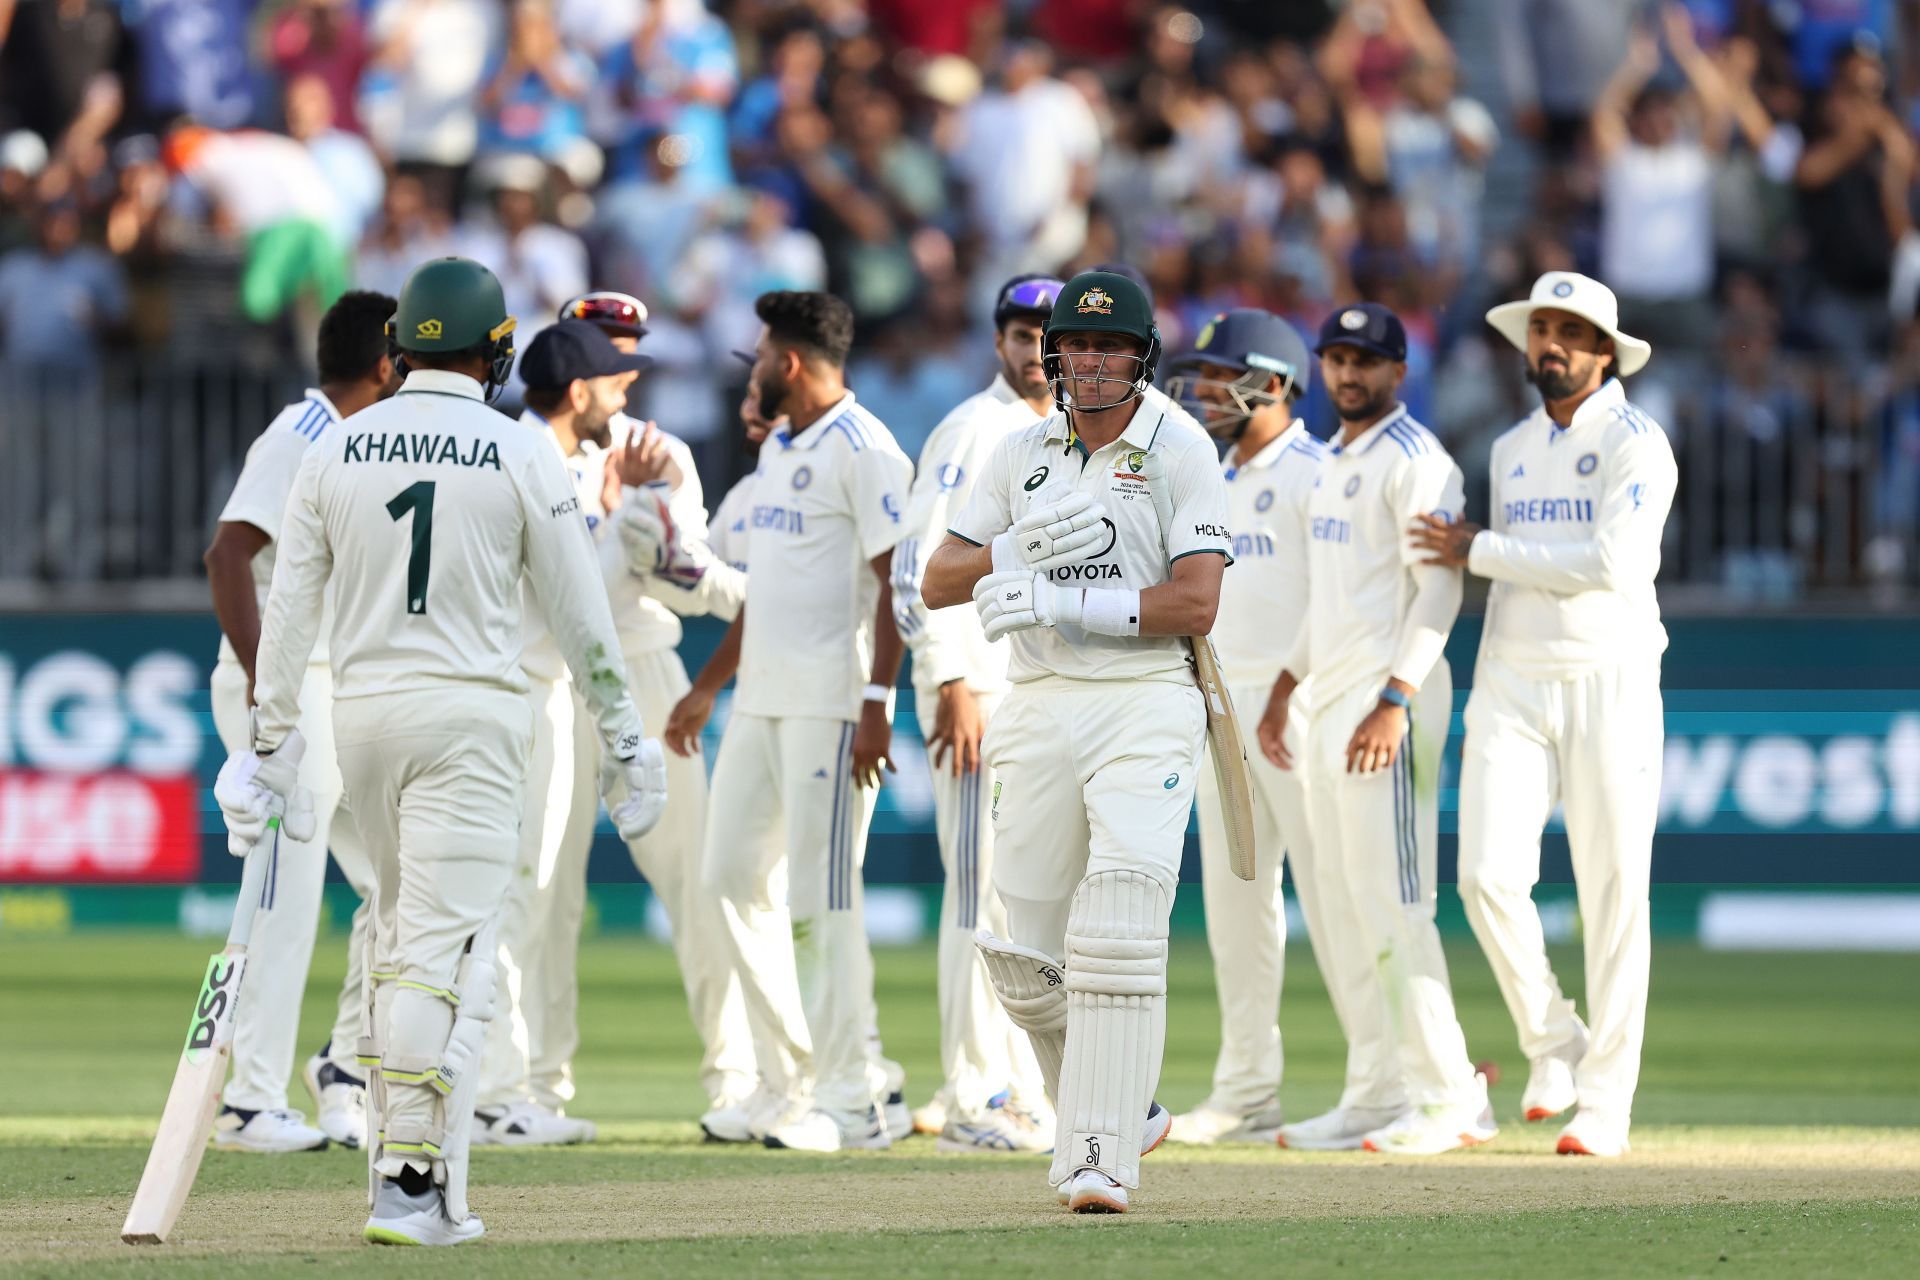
pixel 1021 599
pixel 642 773
pixel 1062 532
pixel 253 789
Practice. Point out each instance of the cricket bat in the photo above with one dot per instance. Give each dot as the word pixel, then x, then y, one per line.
pixel 197 1082
pixel 1228 749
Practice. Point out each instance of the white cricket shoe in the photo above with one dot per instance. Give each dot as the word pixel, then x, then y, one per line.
pixel 746 1121
pixel 1159 1121
pixel 528 1124
pixel 889 1080
pixel 1550 1085
pixel 1210 1122
pixel 271 1132
pixel 1341 1129
pixel 931 1118
pixel 898 1118
pixel 1591 1133
pixel 1091 1191
pixel 822 1130
pixel 997 1129
pixel 1435 1129
pixel 341 1100
pixel 400 1218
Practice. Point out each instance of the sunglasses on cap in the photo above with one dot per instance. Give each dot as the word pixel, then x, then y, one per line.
pixel 1030 295
pixel 608 308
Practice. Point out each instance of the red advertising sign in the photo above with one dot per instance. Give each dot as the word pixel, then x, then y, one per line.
pixel 110 825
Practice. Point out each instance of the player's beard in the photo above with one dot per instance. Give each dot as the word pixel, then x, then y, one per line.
pixel 1028 386
pixel 1374 406
pixel 773 396
pixel 1556 384
pixel 596 424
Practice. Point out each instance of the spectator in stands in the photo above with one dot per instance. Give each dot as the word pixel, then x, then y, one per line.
pixel 791 78
pixel 192 61
pixel 420 94
pixel 677 75
pixel 23 158
pixel 757 250
pixel 411 229
pixel 540 265
pixel 648 223
pixel 534 97
pixel 346 162
pixel 911 376
pixel 59 299
pixel 322 38
pixel 62 64
pixel 1555 57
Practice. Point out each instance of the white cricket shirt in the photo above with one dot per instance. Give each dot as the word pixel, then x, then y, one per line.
pixel 259 496
pixel 425 512
pixel 827 501
pixel 728 530
pixel 1373 609
pixel 1161 446
pixel 1263 598
pixel 951 643
pixel 1573 545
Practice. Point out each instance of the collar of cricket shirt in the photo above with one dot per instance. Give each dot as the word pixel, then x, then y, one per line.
pixel 1371 436
pixel 1139 433
pixel 442 382
pixel 818 427
pixel 1269 452
pixel 1610 396
pixel 319 397
pixel 1002 390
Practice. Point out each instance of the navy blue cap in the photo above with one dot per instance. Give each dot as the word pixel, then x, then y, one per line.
pixel 1366 325
pixel 1248 338
pixel 573 349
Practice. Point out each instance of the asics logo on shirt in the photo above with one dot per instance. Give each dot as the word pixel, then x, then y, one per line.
pixel 779 519
pixel 1550 511
pixel 1329 529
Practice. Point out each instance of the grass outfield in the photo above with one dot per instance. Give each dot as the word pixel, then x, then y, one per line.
pixel 1778 1134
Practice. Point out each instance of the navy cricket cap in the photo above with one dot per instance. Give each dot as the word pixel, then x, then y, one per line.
pixel 1248 338
pixel 573 349
pixel 1366 325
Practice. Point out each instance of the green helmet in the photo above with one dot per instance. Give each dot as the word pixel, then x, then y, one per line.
pixel 455 304
pixel 1101 302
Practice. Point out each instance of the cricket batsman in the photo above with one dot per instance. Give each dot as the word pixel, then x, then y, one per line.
pixel 1566 703
pixel 962 677
pixel 1095 541
pixel 1246 372
pixel 1377 624
pixel 355 371
pixel 424 515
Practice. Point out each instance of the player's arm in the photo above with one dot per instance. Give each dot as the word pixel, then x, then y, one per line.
pixel 966 556
pixel 292 620
pixel 935 636
pixel 229 561
pixel 878 481
pixel 1296 661
pixel 690 715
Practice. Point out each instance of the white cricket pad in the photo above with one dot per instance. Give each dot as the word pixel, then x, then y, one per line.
pixel 1116 1022
pixel 1032 987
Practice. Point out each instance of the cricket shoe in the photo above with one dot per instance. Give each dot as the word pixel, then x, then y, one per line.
pixel 1341 1129
pixel 1210 1122
pixel 997 1129
pixel 824 1130
pixel 1091 1191
pixel 528 1124
pixel 899 1119
pixel 931 1118
pixel 1550 1085
pixel 271 1132
pixel 1159 1121
pixel 889 1080
pixel 400 1217
pixel 1590 1133
pixel 746 1121
pixel 1438 1128
pixel 341 1099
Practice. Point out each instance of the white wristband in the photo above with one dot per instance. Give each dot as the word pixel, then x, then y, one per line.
pixel 876 693
pixel 1111 613
pixel 1005 558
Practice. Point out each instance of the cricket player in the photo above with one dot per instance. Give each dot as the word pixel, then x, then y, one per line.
pixel 1095 540
pixel 811 726
pixel 963 679
pixel 1377 624
pixel 423 515
pixel 355 371
pixel 575 381
pixel 1566 701
pixel 1247 370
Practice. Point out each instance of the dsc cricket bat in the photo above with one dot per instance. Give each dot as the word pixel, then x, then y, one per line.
pixel 1228 749
pixel 188 1118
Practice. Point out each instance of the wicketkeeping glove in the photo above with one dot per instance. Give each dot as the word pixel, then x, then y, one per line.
pixel 252 789
pixel 643 771
pixel 653 540
pixel 1062 532
pixel 1020 599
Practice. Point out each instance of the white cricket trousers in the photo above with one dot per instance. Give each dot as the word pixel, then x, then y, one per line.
pixel 1382 829
pixel 434 779
pixel 1095 781
pixel 268 1026
pixel 783 795
pixel 981 1051
pixel 1592 743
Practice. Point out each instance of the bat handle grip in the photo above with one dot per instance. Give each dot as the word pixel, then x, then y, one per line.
pixel 253 879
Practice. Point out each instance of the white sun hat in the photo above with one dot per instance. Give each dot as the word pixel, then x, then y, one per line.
pixel 1579 295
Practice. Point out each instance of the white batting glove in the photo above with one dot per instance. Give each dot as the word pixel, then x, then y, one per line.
pixel 1020 600
pixel 642 773
pixel 253 789
pixel 1062 532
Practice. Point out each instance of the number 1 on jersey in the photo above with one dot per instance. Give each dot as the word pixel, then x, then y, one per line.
pixel 417 498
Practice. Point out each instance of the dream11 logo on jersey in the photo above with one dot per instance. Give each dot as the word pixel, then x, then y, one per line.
pixel 97 768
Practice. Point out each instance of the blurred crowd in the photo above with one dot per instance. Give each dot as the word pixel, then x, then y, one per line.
pixel 197 177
